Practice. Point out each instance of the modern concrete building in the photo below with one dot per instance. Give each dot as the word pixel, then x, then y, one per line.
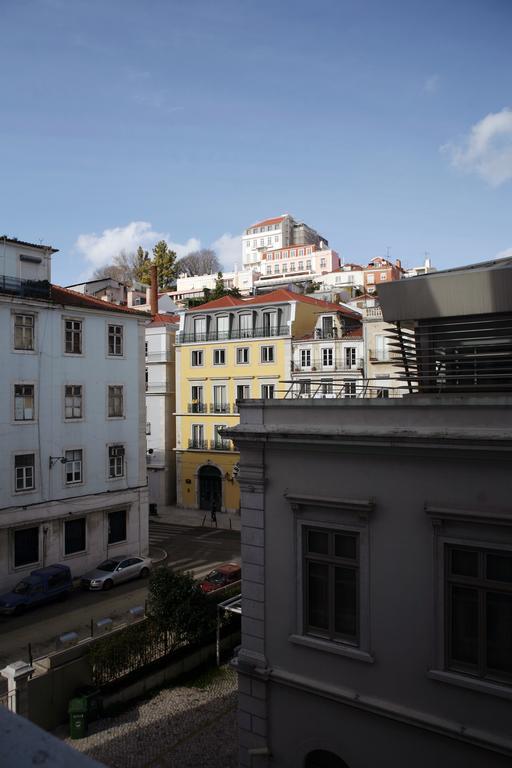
pixel 72 422
pixel 377 550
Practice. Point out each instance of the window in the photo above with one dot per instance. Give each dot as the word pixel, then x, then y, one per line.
pixel 117 526
pixel 383 276
pixel 145 349
pixel 276 268
pixel 382 392
pixel 269 241
pixel 73 466
pixel 146 378
pixel 24 472
pixel 292 266
pixel 323 263
pixel 293 253
pixel 305 358
pixel 197 404
pixel 337 279
pixel 73 401
pixel 267 354
pixel 308 264
pixel 242 355
pixel 262 241
pixel 267 391
pixel 305 388
pixel 115 461
pixel 73 337
pixel 301 266
pixel 268 269
pixel 223 327
pixel 301 252
pixel 276 238
pixel 381 347
pixel 197 440
pixel 74 536
pixel 327 388
pixel 115 340
pixel 24 332
pixel 199 328
pixel 220 443
pixel 327 357
pixel 269 323
pixel 115 401
pixel 24 402
pixel 285 267
pixel 478 588
pixel 220 399
pixel 243 391
pixel 197 357
pixel 370 278
pixel 327 327
pixel 26 546
pixel 219 356
pixel 330 579
pixel 350 389
pixel 246 326
pixel 350 357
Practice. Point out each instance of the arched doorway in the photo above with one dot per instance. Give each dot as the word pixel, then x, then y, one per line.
pixel 210 487
pixel 320 758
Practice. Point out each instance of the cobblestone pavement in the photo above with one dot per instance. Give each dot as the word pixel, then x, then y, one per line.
pixel 192 726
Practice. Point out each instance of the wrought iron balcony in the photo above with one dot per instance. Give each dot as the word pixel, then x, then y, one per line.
pixel 258 332
pixel 220 408
pixel 197 407
pixel 221 445
pixel 197 445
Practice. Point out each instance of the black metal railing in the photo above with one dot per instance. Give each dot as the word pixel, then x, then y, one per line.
pixel 221 445
pixel 198 445
pixel 197 408
pixel 220 408
pixel 258 332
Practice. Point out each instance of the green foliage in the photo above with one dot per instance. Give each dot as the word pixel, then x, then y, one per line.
pixel 217 292
pixel 140 262
pixel 177 606
pixel 165 261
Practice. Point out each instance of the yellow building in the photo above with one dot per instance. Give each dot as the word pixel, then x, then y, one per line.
pixel 229 350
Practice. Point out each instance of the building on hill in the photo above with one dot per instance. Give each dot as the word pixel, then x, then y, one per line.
pixel 299 264
pixel 276 233
pixel 377 557
pixel 73 475
pixel 229 350
pixel 193 286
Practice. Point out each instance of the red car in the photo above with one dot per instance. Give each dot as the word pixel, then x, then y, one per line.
pixel 222 576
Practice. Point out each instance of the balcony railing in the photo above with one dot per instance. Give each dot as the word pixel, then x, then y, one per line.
pixel 197 408
pixel 220 408
pixel 258 332
pixel 221 445
pixel 318 366
pixel 197 445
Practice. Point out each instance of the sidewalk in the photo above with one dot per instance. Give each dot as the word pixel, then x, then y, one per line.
pixel 195 517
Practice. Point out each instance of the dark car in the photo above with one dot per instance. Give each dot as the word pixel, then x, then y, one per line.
pixel 222 576
pixel 42 586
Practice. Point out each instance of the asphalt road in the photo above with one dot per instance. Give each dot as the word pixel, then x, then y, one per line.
pixel 192 549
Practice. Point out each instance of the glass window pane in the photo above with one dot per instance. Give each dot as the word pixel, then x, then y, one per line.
pixel 464 562
pixel 318 596
pixel 499 632
pixel 464 625
pixel 345 601
pixel 318 542
pixel 26 546
pixel 345 546
pixel 499 566
pixel 117 526
pixel 74 535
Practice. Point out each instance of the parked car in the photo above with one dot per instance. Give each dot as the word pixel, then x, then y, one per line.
pixel 115 570
pixel 222 576
pixel 42 586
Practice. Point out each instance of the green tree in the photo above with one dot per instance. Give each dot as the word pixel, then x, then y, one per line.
pixel 141 258
pixel 177 605
pixel 165 261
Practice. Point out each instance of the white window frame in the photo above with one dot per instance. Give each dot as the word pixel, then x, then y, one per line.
pixel 242 352
pixel 328 353
pixel 305 357
pixel 74 465
pixel 116 464
pixel 266 389
pixel 30 349
pixel 115 395
pixel 217 354
pixel 267 354
pixel 73 331
pixel 72 406
pixel 24 420
pixel 115 331
pixel 198 354
pixel 24 473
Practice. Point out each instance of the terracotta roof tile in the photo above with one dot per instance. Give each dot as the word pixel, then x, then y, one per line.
pixel 162 319
pixel 265 222
pixel 274 297
pixel 70 298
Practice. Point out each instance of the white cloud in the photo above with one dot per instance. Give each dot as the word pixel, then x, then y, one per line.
pixel 431 84
pixel 229 250
pixel 506 254
pixel 99 250
pixel 487 149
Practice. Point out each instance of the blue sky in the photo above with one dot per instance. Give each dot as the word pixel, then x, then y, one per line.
pixel 381 124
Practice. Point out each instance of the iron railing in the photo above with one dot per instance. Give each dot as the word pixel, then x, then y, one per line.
pixel 338 365
pixel 260 332
pixel 197 445
pixel 340 388
pixel 220 408
pixel 197 408
pixel 221 445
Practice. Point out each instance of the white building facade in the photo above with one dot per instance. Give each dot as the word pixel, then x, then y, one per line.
pixel 275 233
pixel 72 423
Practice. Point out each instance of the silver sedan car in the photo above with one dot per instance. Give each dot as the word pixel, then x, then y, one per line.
pixel 115 570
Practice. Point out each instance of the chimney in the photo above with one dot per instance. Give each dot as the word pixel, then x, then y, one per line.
pixel 153 295
pixel 398 264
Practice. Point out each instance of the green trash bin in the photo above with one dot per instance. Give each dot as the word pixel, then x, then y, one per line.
pixel 92 697
pixel 78 718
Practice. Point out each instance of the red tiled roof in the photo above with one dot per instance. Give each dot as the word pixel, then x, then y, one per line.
pixel 278 296
pixel 162 319
pixel 265 222
pixel 70 298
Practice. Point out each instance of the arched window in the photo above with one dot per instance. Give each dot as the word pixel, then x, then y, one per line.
pixel 321 758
